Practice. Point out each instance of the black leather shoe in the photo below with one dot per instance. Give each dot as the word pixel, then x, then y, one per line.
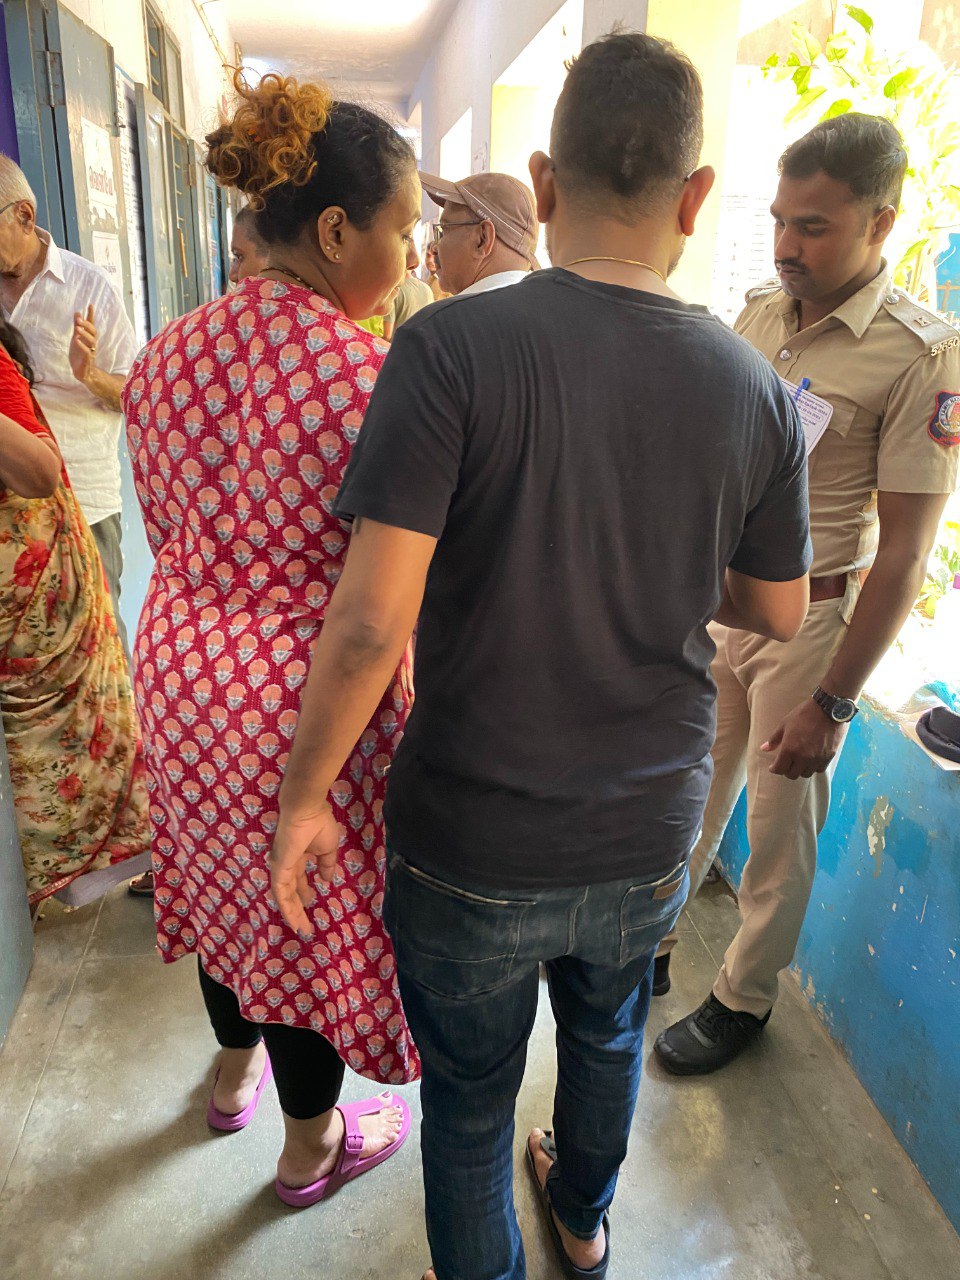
pixel 661 975
pixel 707 1039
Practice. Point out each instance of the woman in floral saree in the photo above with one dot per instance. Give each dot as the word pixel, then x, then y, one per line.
pixel 72 734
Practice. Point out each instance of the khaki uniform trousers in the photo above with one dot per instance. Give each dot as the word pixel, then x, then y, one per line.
pixel 759 683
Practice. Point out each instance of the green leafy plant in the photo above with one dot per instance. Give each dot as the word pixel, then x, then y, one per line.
pixel 943 568
pixel 850 72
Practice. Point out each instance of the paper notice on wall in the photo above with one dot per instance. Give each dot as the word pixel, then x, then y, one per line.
pixel 98 160
pixel 106 254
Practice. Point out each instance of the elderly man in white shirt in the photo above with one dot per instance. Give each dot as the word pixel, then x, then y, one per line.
pixel 487 233
pixel 82 345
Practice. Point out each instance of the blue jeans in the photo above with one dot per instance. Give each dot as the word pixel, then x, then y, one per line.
pixel 467 960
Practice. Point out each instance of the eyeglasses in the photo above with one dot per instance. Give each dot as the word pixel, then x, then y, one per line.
pixel 9 205
pixel 440 227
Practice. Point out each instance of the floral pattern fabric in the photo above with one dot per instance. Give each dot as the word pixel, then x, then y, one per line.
pixel 240 418
pixel 76 764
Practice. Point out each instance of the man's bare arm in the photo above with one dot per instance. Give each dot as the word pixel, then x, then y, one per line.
pixel 107 387
pixel 367 625
pixel 908 528
pixel 772 609
pixel 808 739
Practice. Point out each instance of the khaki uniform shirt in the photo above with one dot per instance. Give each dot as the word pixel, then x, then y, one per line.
pixel 891 371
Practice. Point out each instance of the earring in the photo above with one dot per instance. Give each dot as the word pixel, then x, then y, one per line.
pixel 337 255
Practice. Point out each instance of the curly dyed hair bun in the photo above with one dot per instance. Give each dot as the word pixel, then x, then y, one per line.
pixel 295 151
pixel 269 140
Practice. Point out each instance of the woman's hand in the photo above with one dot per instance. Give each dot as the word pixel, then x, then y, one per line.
pixel 312 837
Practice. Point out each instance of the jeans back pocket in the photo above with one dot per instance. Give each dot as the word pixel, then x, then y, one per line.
pixel 649 911
pixel 454 941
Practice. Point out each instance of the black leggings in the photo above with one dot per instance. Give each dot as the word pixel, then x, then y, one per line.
pixel 306 1067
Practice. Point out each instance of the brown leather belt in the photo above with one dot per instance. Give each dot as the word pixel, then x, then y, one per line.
pixel 833 586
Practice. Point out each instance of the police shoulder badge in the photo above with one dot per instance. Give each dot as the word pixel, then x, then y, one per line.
pixel 944 426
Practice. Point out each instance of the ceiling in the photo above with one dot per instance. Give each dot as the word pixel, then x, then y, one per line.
pixel 373 49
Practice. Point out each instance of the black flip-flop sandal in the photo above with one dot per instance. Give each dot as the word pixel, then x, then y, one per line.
pixel 570 1269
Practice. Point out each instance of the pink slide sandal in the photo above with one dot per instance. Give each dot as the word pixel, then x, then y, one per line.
pixel 217 1119
pixel 350 1165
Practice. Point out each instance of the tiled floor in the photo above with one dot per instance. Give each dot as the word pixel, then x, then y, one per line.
pixel 779 1168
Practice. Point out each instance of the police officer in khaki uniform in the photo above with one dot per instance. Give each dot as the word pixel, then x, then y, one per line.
pixel 887 373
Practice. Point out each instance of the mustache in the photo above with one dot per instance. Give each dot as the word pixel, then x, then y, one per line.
pixel 790 264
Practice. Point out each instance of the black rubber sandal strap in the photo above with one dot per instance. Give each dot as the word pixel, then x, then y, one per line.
pixel 570 1270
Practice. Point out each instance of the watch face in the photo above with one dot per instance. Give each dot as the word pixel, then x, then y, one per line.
pixel 843 710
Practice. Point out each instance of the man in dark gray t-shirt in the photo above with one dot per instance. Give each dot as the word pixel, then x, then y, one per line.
pixel 565 711
pixel 565 481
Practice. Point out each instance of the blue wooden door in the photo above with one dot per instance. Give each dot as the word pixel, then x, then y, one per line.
pixel 65 99
pixel 162 253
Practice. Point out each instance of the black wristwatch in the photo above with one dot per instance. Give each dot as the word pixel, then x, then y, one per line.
pixel 840 710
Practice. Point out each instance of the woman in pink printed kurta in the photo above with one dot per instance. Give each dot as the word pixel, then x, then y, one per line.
pixel 241 417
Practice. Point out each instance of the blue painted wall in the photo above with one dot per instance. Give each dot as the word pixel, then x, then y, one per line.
pixel 137 556
pixel 879 956
pixel 948 277
pixel 9 144
pixel 16 932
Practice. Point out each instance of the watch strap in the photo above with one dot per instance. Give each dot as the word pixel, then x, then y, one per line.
pixel 829 703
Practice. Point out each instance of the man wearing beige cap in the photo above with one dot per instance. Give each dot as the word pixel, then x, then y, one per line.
pixel 487 233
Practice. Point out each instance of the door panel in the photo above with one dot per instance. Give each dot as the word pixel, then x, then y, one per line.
pixel 162 265
pixel 183 192
pixel 66 107
pixel 209 257
pixel 90 120
pixel 36 82
pixel 133 203
pixel 214 236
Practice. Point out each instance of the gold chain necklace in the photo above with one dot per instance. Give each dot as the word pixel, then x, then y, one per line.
pixel 293 276
pixel 629 262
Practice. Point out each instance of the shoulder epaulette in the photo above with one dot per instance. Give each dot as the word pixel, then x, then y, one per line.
pixel 934 332
pixel 761 290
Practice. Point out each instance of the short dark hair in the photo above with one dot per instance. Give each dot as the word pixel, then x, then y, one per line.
pixel 628 124
pixel 247 219
pixel 294 151
pixel 865 152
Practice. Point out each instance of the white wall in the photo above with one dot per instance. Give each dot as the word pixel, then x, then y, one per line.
pixel 600 16
pixel 121 22
pixel 483 37
pixel 480 41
